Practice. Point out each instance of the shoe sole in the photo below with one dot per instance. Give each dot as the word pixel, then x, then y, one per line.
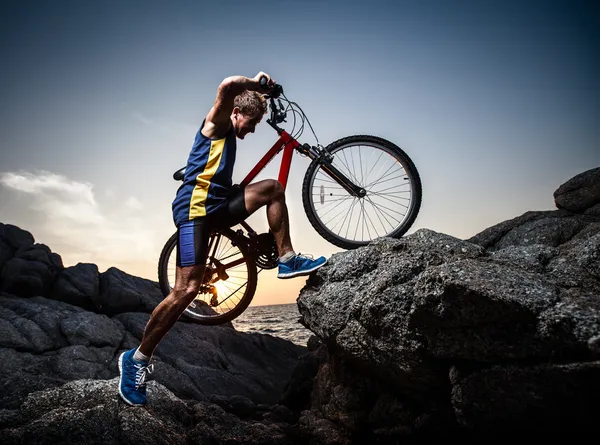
pixel 300 272
pixel 120 378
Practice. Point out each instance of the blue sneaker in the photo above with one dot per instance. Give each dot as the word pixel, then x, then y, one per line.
pixel 299 265
pixel 132 380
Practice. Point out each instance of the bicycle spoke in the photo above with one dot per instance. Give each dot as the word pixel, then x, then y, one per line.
pixel 336 216
pixel 337 205
pixel 360 165
pixel 389 179
pixel 351 211
pixel 347 165
pixel 376 162
pixel 383 211
pixel 397 203
pixel 372 225
pixel 325 180
pixel 384 190
pixel 234 292
pixel 343 221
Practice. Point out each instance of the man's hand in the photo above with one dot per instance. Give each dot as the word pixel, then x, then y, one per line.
pixel 270 82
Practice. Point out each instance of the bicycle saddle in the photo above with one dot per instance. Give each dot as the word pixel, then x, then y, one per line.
pixel 178 175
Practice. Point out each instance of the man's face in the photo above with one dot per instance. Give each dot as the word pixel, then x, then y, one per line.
pixel 244 124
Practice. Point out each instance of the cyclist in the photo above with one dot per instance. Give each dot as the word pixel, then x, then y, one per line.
pixel 206 200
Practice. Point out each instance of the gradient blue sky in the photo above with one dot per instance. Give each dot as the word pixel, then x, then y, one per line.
pixel 497 103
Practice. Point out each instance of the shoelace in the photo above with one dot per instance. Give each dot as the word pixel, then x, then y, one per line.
pixel 140 374
pixel 298 258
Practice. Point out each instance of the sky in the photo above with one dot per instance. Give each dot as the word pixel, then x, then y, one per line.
pixel 496 102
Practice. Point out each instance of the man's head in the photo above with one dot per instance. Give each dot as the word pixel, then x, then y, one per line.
pixel 249 108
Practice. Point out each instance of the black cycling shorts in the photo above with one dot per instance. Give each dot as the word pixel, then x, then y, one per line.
pixel 193 235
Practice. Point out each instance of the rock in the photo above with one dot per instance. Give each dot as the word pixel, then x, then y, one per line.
pixel 15 237
pixel 6 253
pixel 78 285
pixel 31 271
pixel 514 311
pixel 121 292
pixel 214 425
pixel 91 411
pixel 59 342
pixel 594 210
pixel 297 392
pixel 220 360
pixel 322 431
pixel 579 193
pixel 88 411
pixel 548 393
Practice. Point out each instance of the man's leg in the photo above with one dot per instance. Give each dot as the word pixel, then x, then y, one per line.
pixel 164 316
pixel 191 257
pixel 270 193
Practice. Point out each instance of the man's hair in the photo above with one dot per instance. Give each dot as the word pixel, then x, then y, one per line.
pixel 251 103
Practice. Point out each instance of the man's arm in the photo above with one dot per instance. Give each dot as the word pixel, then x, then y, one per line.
pixel 218 118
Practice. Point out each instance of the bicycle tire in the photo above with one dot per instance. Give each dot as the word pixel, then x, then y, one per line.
pixel 167 256
pixel 378 143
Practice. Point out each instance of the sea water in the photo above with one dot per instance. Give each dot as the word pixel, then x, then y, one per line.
pixel 279 320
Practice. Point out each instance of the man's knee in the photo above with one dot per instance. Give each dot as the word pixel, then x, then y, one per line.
pixel 189 282
pixel 275 189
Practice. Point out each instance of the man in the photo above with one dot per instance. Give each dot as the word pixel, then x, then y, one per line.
pixel 206 201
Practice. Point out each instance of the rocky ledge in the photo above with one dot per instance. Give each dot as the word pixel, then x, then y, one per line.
pixel 62 330
pixel 421 340
pixel 429 337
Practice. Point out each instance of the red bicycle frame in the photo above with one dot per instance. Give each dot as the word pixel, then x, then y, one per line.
pixel 286 143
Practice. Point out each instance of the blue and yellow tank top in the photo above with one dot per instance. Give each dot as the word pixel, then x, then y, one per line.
pixel 208 177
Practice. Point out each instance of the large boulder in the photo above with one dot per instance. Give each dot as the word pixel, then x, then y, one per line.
pixel 580 194
pixel 31 271
pixel 121 292
pixel 430 337
pixel 78 285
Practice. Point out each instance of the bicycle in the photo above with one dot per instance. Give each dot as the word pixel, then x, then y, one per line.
pixel 331 182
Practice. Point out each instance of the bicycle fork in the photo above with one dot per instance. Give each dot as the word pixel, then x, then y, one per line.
pixel 315 153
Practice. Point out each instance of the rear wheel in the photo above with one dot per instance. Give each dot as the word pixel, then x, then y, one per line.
pixel 229 282
pixel 390 205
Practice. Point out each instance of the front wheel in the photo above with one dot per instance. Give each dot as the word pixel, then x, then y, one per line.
pixel 229 280
pixel 387 175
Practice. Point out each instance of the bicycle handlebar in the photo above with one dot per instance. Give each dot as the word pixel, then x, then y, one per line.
pixel 273 92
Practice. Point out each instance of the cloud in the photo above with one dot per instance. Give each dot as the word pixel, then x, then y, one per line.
pixel 70 218
pixel 143 119
pixel 133 203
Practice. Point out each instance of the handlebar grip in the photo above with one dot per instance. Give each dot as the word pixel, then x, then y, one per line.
pixel 274 91
pixel 263 82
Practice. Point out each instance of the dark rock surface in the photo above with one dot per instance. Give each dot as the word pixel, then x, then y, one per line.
pixel 59 342
pixel 87 411
pixel 432 338
pixel 61 325
pixel 580 194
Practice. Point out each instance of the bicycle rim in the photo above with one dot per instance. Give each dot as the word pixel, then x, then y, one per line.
pixel 392 193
